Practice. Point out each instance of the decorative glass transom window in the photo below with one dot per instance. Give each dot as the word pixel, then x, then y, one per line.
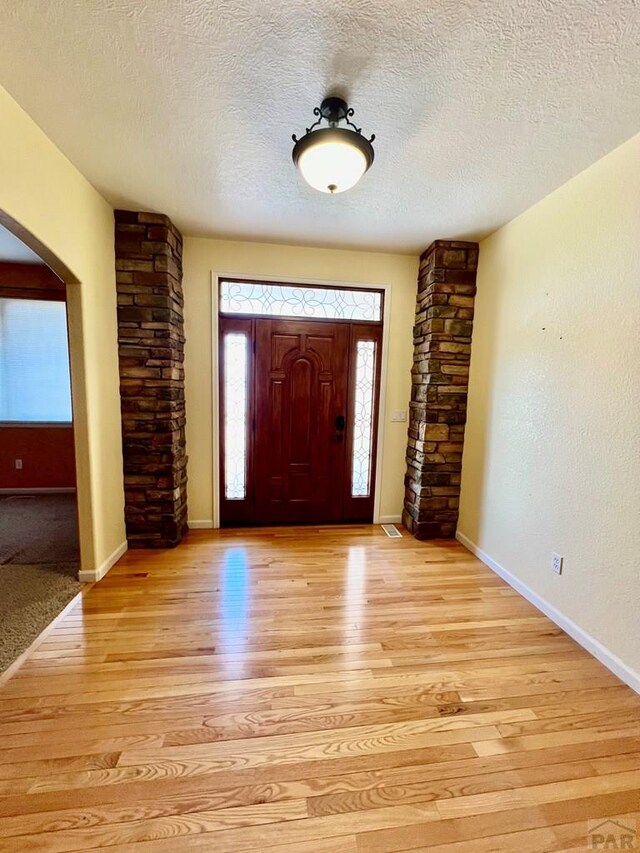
pixel 290 300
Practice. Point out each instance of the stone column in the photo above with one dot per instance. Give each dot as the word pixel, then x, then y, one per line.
pixel 438 407
pixel 151 352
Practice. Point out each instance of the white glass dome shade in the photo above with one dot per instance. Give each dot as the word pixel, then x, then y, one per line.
pixel 333 159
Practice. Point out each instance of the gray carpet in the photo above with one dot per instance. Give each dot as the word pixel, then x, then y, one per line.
pixel 39 561
pixel 38 529
pixel 30 598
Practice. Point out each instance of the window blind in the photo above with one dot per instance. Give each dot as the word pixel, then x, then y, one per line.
pixel 35 384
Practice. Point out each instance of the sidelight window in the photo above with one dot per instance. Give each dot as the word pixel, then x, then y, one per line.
pixel 235 415
pixel 363 419
pixel 268 299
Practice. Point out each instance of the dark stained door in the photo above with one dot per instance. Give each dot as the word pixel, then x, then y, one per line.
pixel 300 397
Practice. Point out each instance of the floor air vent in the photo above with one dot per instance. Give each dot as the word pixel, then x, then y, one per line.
pixel 392 531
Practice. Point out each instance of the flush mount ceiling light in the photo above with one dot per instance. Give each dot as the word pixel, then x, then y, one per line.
pixel 332 159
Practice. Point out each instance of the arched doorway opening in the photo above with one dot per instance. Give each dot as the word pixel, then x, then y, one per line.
pixel 73 292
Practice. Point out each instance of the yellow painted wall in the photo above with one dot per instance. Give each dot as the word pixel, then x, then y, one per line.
pixel 202 257
pixel 552 447
pixel 44 194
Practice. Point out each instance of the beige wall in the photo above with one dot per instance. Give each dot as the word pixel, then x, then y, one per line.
pixel 202 257
pixel 552 449
pixel 72 226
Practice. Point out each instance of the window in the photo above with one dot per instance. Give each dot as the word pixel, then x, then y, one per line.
pixel 363 419
pixel 327 303
pixel 35 384
pixel 235 416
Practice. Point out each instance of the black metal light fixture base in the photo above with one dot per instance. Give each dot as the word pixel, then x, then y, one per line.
pixel 334 110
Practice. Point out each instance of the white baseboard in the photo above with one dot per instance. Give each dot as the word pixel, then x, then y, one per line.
pixel 94 575
pixel 58 490
pixel 389 519
pixel 593 646
pixel 200 524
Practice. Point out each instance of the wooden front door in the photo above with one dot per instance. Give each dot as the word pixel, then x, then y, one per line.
pixel 300 412
pixel 302 432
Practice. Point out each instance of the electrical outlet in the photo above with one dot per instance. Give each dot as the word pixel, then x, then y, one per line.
pixel 19 464
pixel 556 563
pixel 399 416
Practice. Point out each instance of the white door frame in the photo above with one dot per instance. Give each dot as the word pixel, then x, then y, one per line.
pixel 215 395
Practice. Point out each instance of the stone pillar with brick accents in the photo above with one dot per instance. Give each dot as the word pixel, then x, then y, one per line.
pixel 151 352
pixel 438 407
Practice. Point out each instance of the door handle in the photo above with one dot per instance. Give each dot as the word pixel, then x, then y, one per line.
pixel 340 423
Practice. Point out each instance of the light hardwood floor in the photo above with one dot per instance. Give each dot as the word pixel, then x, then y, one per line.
pixel 311 691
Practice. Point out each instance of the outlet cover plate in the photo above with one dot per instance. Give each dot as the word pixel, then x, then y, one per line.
pixel 556 563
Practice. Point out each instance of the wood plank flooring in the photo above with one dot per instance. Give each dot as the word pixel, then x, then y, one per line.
pixel 311 690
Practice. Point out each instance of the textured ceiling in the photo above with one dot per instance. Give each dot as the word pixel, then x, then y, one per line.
pixel 480 107
pixel 13 249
